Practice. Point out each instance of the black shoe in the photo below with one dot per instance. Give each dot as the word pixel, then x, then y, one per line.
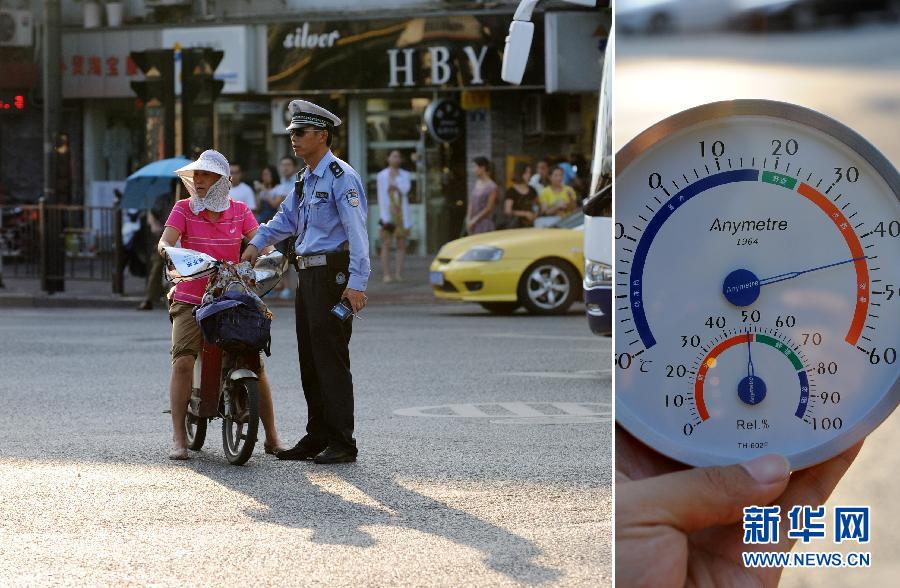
pixel 145 305
pixel 304 450
pixel 333 455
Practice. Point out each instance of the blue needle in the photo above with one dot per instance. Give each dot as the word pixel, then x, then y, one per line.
pixel 741 287
pixel 749 357
pixel 789 275
pixel 752 389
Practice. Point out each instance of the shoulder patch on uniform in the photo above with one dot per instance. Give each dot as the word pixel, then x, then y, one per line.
pixel 336 169
pixel 352 196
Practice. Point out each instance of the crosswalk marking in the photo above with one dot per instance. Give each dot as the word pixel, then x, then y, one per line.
pixel 601 374
pixel 573 408
pixel 469 410
pixel 521 409
pixel 510 409
pixel 526 336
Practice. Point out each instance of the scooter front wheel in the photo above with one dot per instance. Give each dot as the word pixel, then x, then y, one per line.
pixel 240 421
pixel 195 431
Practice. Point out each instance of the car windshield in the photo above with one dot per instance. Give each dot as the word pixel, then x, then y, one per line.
pixel 573 221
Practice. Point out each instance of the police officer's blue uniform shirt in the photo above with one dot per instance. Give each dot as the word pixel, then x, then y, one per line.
pixel 331 211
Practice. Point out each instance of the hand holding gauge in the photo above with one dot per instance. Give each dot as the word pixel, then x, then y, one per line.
pixel 715 365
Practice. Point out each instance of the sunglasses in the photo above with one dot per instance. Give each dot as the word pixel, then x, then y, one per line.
pixel 301 132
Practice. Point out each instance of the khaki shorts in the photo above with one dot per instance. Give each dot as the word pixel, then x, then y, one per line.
pixel 186 336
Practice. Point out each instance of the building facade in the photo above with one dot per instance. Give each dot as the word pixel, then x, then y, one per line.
pixel 380 71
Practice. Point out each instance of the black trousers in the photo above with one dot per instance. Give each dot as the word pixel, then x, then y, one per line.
pixel 323 343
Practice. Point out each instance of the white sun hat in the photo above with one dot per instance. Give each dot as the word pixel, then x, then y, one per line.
pixel 210 160
pixel 216 198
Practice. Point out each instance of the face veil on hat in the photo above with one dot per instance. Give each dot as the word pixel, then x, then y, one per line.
pixel 216 198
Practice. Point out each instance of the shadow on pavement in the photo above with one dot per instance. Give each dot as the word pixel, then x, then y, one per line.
pixel 336 520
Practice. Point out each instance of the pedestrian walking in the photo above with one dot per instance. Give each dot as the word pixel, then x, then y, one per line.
pixel 541 177
pixel 326 213
pixel 287 171
pixel 521 201
pixel 394 184
pixel 156 216
pixel 267 194
pixel 287 175
pixel 482 200
pixel 557 200
pixel 241 191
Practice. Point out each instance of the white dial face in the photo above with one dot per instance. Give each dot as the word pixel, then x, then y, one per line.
pixel 757 285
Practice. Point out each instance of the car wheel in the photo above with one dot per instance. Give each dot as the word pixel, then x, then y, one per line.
pixel 893 10
pixel 804 18
pixel 548 286
pixel 660 24
pixel 500 307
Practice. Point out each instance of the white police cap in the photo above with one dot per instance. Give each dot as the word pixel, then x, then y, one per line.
pixel 305 114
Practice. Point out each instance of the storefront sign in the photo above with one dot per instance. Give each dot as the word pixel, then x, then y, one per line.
pixel 96 64
pixel 446 52
pixel 444 120
pixel 301 38
pixel 475 100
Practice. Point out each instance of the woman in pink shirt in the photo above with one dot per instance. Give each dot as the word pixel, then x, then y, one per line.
pixel 210 222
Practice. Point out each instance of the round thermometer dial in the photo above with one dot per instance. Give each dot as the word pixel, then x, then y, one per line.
pixel 757 285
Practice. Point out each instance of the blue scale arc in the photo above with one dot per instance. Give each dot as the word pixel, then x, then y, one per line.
pixel 636 278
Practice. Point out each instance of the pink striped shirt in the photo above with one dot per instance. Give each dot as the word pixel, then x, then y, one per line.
pixel 221 239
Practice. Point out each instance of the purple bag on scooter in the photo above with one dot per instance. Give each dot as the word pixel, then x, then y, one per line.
pixel 235 323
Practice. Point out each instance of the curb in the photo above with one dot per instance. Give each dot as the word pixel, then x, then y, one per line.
pixel 131 302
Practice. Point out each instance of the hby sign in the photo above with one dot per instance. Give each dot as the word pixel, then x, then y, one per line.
pixel 446 52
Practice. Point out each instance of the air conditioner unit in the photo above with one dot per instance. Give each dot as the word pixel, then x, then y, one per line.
pixel 16 28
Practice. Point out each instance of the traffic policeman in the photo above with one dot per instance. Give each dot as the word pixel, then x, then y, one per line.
pixel 327 214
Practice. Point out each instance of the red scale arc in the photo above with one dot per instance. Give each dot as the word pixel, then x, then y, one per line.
pixel 704 367
pixel 856 249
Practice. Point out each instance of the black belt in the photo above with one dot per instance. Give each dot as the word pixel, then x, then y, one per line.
pixel 335 259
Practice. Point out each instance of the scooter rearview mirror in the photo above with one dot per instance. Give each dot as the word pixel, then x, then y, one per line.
pixel 515 53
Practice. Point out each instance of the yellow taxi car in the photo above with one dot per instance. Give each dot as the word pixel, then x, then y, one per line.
pixel 540 269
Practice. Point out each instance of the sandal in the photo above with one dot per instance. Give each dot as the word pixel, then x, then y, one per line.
pixel 179 453
pixel 273 449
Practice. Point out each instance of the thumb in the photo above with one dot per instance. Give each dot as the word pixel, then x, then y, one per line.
pixel 698 498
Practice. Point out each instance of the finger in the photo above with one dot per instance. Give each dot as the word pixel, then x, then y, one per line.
pixel 813 486
pixel 699 498
pixel 637 461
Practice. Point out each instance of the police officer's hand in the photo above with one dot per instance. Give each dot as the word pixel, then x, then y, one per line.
pixel 250 254
pixel 356 298
pixel 678 525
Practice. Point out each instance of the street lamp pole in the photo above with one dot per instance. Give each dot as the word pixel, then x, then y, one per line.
pixel 52 95
pixel 52 262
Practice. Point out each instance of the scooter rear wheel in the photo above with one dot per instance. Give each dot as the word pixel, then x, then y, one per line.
pixel 239 430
